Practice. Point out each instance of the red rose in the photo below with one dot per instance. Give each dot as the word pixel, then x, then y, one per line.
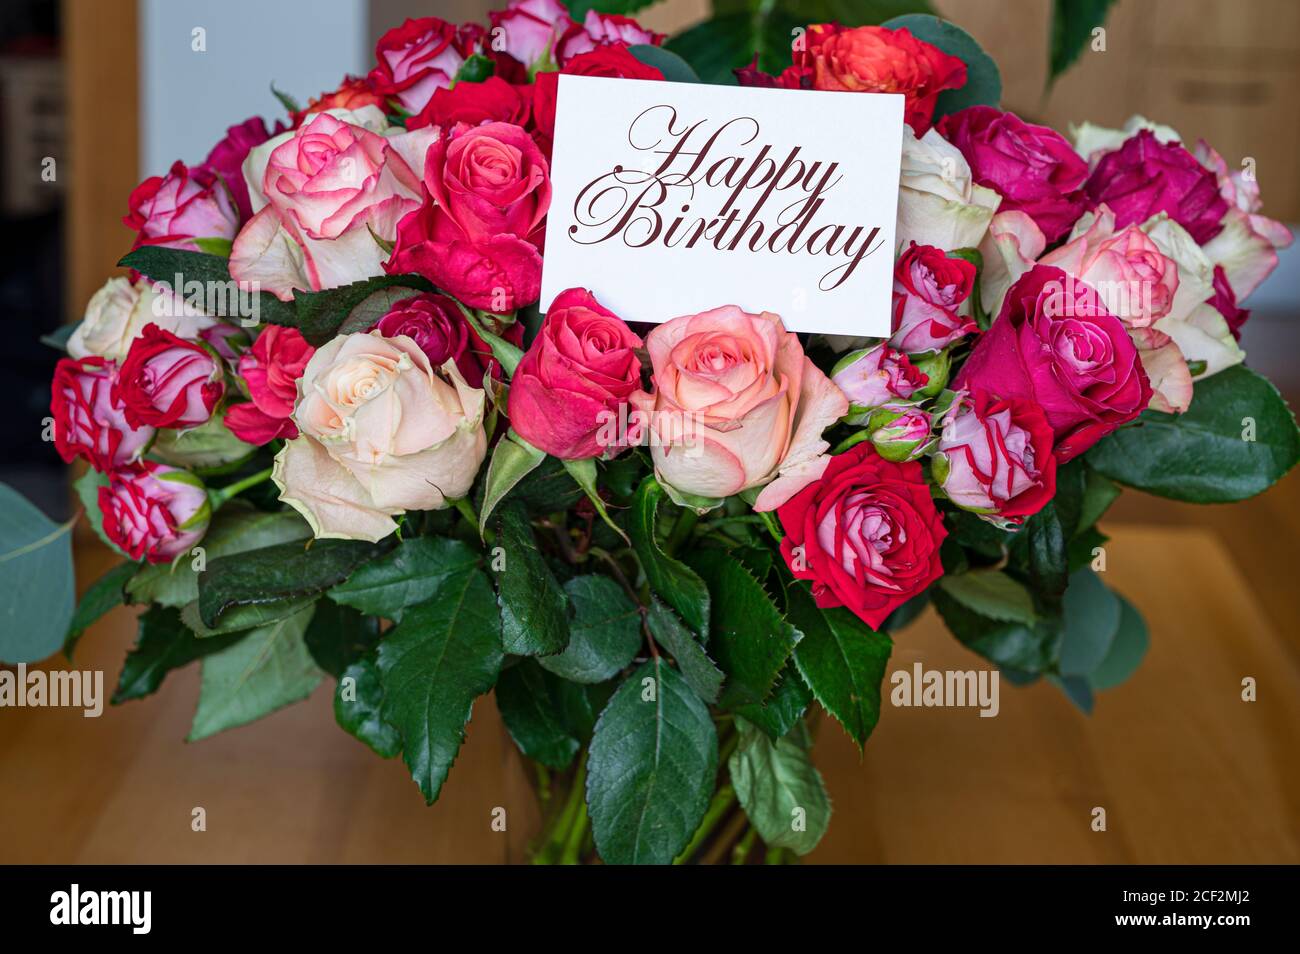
pixel 566 394
pixel 415 59
pixel 154 512
pixel 493 100
pixel 436 323
pixel 166 381
pixel 88 421
pixel 613 61
pixel 873 59
pixel 929 286
pixel 184 205
pixel 479 233
pixel 271 369
pixel 866 534
pixel 1055 344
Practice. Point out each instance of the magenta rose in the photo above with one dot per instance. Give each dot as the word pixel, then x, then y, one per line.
pixel 436 323
pixel 166 381
pixel 929 287
pixel 478 234
pixel 1224 301
pixel 176 209
pixel 1055 344
pixel 1032 167
pixel 226 161
pixel 568 394
pixel 603 29
pixel 88 421
pixel 154 512
pixel 415 59
pixel 527 29
pixel 271 369
pixel 1145 176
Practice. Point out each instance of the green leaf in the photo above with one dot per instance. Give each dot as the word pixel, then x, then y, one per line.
pixel 408 574
pixel 1099 492
pixel 583 473
pixel 358 701
pixel 267 669
pixel 170 265
pixel 1091 617
pixel 444 653
pixel 531 703
pixel 717 47
pixel 782 793
pixel 674 68
pixel 1076 689
pixel 697 668
pixel 475 69
pixel 58 339
pixel 1126 650
pixel 240 618
pixel 1201 456
pixel 274 573
pixel 339 636
pixel 786 706
pixel 651 768
pixel 983 81
pixel 236 528
pixel 164 643
pixel 379 302
pixel 1048 567
pixel 578 8
pixel 37 593
pixel 680 587
pixel 215 245
pixel 992 594
pixel 750 639
pixel 1072 24
pixel 105 594
pixel 1029 649
pixel 288 102
pixel 842 660
pixel 604 631
pixel 534 610
pixel 321 314
pixel 548 489
pixel 512 460
pixel 210 445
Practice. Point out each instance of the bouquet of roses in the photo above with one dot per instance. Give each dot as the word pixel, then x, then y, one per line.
pixel 330 432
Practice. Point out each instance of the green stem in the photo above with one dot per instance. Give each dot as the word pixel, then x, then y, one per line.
pixel 855 438
pixel 572 853
pixel 558 837
pixel 774 856
pixel 773 527
pixel 740 854
pixel 467 511
pixel 723 799
pixel 686 521
pixel 220 496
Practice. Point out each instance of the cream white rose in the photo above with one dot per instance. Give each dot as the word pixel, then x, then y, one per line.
pixel 938 202
pixel 118 312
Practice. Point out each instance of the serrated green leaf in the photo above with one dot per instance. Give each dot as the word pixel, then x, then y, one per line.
pixel 164 264
pixel 786 706
pixel 782 793
pixel 104 595
pixel 992 594
pixel 406 575
pixel 240 618
pixel 604 631
pixel 164 643
pixel 321 314
pixel 651 768
pixel 696 667
pixel 679 586
pixel 444 654
pixel 531 705
pixel 37 594
pixel 358 701
pixel 534 610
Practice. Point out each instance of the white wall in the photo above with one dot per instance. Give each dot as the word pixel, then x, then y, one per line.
pixel 189 98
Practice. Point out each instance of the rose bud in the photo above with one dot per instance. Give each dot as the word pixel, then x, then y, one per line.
pixel 866 533
pixel 900 433
pixel 88 422
pixel 737 405
pixel 995 456
pixel 528 29
pixel 569 394
pixel 929 288
pixel 416 58
pixel 876 376
pixel 154 512
pixel 177 209
pixel 271 369
pixel 436 323
pixel 935 365
pixel 167 381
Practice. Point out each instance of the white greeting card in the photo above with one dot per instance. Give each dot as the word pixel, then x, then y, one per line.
pixel 674 198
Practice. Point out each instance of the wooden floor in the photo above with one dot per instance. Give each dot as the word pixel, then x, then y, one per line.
pixel 1186 770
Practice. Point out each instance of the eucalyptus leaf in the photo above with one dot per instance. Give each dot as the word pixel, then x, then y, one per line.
pixel 37 595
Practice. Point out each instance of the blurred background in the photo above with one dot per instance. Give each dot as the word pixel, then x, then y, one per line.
pixel 95 95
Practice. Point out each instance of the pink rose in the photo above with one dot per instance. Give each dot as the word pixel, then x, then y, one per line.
pixel 226 160
pixel 1224 301
pixel 527 29
pixel 1145 176
pixel 325 195
pixel 929 287
pixel 154 512
pixel 176 209
pixel 875 376
pixel 737 405
pixel 167 381
pixel 994 456
pixel 478 235
pixel 271 369
pixel 1032 167
pixel 88 421
pixel 569 393
pixel 415 59
pixel 1055 345
pixel 603 29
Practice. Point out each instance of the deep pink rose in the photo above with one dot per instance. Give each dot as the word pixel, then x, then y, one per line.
pixel 154 512
pixel 1054 344
pixel 436 323
pixel 166 381
pixel 184 205
pixel 414 59
pixel 929 287
pixel 1032 167
pixel 1224 301
pixel 88 421
pixel 1145 176
pixel 603 29
pixel 479 233
pixel 527 29
pixel 994 456
pixel 226 160
pixel 271 369
pixel 569 393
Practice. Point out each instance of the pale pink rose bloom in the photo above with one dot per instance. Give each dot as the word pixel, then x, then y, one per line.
pixel 1166 368
pixel 325 195
pixel 737 405
pixel 600 29
pixel 410 437
pixel 528 29
pixel 1009 248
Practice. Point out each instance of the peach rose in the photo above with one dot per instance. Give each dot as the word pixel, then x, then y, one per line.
pixel 382 432
pixel 736 406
